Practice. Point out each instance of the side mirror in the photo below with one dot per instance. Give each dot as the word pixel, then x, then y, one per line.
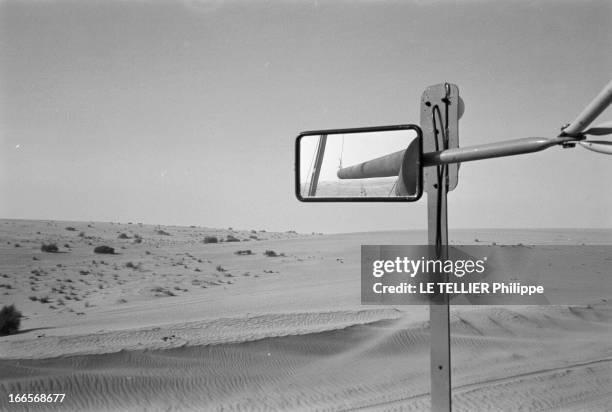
pixel 379 164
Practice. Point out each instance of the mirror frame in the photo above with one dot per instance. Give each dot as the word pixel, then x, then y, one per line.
pixel 419 137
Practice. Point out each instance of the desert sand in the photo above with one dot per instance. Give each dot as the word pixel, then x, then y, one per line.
pixel 377 187
pixel 169 322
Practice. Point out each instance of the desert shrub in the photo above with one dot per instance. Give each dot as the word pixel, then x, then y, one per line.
pixel 163 233
pixel 231 238
pixel 137 239
pixel 270 253
pixel 243 252
pixel 81 234
pixel 254 237
pixel 70 229
pixel 10 319
pixel 123 236
pixel 104 250
pixel 132 265
pixel 44 299
pixel 49 248
pixel 159 291
pixel 220 268
pixel 210 239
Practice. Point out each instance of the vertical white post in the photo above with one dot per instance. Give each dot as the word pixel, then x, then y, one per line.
pixel 439 314
pixel 440 125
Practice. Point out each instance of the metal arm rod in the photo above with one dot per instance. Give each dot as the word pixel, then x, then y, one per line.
pixel 390 164
pixel 590 112
pixel 492 150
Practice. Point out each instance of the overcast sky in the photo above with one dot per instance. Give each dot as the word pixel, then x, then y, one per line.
pixel 186 112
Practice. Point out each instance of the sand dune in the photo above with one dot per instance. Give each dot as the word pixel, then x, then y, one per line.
pixel 284 332
pixel 504 359
pixel 207 332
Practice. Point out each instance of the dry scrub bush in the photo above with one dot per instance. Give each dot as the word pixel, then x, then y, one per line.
pixel 10 319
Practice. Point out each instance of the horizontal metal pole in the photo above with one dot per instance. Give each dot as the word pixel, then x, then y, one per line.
pixel 390 164
pixel 599 146
pixel 590 112
pixel 384 166
pixel 492 150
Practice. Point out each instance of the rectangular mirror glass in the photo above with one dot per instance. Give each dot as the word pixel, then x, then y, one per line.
pixel 366 164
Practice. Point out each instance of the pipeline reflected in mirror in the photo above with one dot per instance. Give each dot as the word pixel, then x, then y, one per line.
pixel 381 165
